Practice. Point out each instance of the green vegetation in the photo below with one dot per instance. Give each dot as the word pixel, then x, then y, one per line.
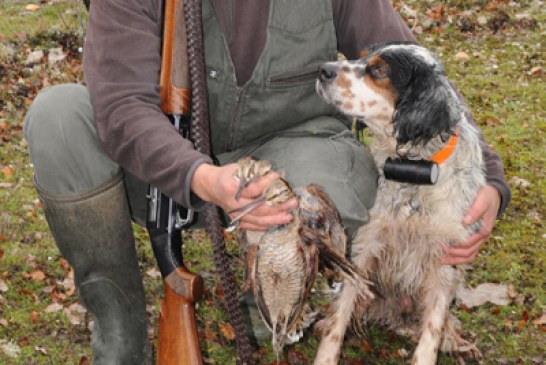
pixel 494 53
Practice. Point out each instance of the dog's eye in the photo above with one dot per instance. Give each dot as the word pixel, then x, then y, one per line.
pixel 378 72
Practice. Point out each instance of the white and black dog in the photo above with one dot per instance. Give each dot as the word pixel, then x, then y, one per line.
pixel 402 94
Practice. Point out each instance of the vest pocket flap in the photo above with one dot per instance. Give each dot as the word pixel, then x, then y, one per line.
pixel 296 77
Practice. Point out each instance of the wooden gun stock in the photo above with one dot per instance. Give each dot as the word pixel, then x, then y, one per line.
pixel 178 342
pixel 174 79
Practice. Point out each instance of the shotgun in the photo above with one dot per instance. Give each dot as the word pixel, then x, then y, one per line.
pixel 178 342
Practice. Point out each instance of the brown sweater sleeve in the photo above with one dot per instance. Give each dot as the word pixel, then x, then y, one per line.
pixel 121 66
pixel 359 24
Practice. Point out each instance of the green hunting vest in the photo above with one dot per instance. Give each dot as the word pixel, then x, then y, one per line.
pixel 281 92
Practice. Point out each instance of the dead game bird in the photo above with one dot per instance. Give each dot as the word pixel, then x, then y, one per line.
pixel 283 262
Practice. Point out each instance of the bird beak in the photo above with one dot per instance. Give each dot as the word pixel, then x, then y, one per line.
pixel 243 183
pixel 245 209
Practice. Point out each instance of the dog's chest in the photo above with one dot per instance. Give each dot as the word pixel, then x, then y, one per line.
pixel 401 201
pixel 409 233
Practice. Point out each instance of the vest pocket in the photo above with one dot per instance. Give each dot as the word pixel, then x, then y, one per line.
pixel 298 77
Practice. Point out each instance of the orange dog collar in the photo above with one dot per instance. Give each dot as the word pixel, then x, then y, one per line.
pixel 445 152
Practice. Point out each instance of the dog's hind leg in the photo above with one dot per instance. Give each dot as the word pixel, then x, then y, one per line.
pixel 437 296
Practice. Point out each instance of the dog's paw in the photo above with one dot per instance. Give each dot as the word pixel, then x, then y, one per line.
pixel 468 353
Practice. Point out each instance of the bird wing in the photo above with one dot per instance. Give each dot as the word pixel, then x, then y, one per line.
pixel 331 258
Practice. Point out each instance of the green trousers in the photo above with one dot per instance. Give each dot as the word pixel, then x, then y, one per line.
pixel 68 158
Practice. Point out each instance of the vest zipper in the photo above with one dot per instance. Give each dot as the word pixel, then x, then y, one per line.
pixel 233 123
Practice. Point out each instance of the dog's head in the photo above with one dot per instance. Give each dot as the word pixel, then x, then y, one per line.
pixel 397 88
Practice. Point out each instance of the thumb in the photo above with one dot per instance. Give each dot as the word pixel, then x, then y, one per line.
pixel 476 210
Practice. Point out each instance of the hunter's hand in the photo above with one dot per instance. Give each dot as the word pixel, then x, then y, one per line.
pixel 485 207
pixel 216 185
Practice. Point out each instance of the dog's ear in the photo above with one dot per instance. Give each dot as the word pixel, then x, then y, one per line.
pixel 364 53
pixel 428 106
pixel 377 46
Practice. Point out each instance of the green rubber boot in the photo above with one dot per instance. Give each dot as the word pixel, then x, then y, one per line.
pixel 93 232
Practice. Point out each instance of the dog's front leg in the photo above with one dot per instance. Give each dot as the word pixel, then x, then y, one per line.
pixel 437 296
pixel 338 317
pixel 334 325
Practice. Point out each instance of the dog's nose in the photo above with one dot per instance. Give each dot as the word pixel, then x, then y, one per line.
pixel 327 72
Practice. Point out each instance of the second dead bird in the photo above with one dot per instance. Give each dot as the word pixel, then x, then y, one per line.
pixel 283 262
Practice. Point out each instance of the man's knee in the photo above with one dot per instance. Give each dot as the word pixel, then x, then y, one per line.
pixel 54 109
pixel 64 148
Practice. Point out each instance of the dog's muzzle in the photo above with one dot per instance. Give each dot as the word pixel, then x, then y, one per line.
pixel 327 72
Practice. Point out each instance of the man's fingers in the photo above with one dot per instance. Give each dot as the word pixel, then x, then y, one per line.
pixel 485 205
pixel 292 203
pixel 457 260
pixel 256 188
pixel 477 209
pixel 465 253
pixel 265 221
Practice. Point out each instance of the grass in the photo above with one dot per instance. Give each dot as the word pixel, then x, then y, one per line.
pixel 62 15
pixel 502 79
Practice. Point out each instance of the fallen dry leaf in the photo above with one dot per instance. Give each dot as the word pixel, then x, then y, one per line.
pixel 483 293
pixel 64 264
pixel 491 6
pixel 403 353
pixel 3 286
pixel 537 71
pixel 219 291
pixel 493 122
pixel 32 7
pixel 53 307
pixel 295 357
pixel 209 335
pixel 523 321
pixel 512 291
pixel 34 317
pixel 68 281
pixel 34 57
pixel 55 55
pixel 540 320
pixel 365 346
pixel 227 331
pixel 518 182
pixel 75 313
pixel 7 171
pixel 41 350
pixel 10 349
pixel 36 275
pixel 153 273
pixel 462 56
